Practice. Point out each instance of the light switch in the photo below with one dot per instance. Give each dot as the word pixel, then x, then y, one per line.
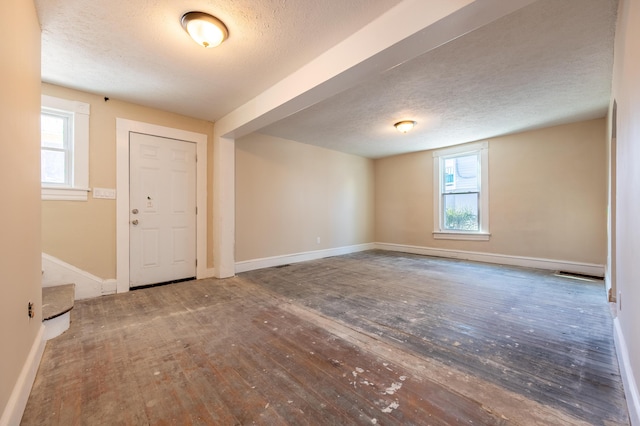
pixel 105 193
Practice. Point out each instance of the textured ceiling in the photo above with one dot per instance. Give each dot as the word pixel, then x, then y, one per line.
pixel 137 50
pixel 547 63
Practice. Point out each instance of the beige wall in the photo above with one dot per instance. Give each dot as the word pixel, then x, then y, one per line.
pixel 83 234
pixel 20 174
pixel 626 92
pixel 288 194
pixel 547 196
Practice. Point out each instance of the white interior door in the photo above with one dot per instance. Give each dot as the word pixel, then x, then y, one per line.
pixel 162 216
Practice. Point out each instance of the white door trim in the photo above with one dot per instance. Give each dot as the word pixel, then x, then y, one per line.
pixel 123 128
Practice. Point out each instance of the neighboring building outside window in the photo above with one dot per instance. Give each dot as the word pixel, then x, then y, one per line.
pixel 461 192
pixel 64 145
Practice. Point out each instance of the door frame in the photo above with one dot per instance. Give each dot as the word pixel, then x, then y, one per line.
pixel 123 128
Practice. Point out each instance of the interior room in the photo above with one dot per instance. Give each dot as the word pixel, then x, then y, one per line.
pixel 362 212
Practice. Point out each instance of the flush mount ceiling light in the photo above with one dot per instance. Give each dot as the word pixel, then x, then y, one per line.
pixel 204 29
pixel 405 125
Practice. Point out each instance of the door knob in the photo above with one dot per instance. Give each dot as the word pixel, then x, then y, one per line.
pixel 134 222
pixel 134 211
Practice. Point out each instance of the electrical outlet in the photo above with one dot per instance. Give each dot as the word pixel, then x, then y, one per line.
pixel 317 240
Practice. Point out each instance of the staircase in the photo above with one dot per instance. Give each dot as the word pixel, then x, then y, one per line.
pixel 57 302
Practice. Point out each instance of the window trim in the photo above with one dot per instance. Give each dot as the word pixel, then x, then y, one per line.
pixel 439 156
pixel 79 187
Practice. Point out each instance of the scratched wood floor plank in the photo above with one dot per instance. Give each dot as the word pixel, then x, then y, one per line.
pixel 365 386
pixel 531 332
pixel 368 338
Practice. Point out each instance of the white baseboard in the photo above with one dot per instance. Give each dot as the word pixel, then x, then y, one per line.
pixel 109 287
pixel 628 379
pixel 20 395
pixel 268 262
pixel 502 259
pixel 58 272
pixel 54 327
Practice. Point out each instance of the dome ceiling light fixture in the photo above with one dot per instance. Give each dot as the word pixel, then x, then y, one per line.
pixel 405 125
pixel 204 29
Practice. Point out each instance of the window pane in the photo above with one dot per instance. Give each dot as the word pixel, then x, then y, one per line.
pixel 449 177
pixel 52 166
pixel 460 174
pixel 52 129
pixel 461 212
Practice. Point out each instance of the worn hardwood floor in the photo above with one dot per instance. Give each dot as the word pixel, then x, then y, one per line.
pixel 369 338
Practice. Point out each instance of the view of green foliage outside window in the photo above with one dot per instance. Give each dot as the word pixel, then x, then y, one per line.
pixel 461 219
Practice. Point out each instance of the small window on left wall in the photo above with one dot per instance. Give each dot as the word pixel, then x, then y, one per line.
pixel 64 148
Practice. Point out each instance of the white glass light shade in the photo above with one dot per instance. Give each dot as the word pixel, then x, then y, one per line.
pixel 405 126
pixel 204 29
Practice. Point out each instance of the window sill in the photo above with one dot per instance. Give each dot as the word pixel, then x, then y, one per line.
pixel 469 236
pixel 64 194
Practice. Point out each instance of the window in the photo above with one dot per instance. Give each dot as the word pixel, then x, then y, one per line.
pixel 461 192
pixel 57 148
pixel 64 148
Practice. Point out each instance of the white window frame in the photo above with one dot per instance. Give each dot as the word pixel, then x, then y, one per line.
pixel 78 187
pixel 439 233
